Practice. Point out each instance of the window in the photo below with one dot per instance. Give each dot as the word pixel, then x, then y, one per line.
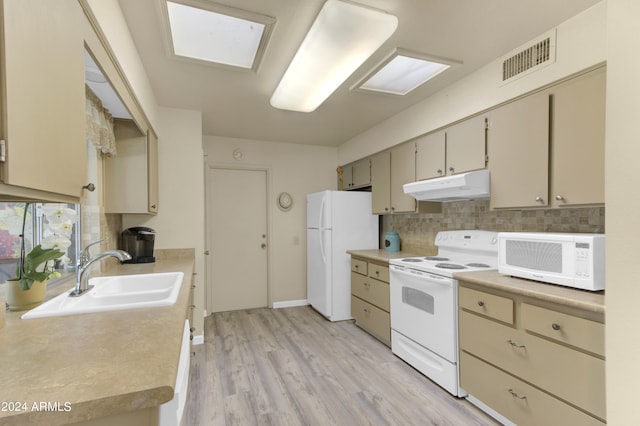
pixel 38 228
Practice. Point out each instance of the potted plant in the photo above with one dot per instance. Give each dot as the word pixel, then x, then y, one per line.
pixel 35 267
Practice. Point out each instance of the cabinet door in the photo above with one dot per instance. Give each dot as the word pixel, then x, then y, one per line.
pixel 361 173
pixel 43 98
pixel 430 155
pixel 518 145
pixel 347 176
pixel 126 174
pixel 381 183
pixel 403 170
pixel 152 172
pixel 466 146
pixel 577 140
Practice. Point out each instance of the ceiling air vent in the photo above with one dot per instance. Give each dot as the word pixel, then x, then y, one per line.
pixel 530 59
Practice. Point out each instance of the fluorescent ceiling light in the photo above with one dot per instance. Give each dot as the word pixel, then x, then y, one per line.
pixel 217 37
pixel 342 37
pixel 402 74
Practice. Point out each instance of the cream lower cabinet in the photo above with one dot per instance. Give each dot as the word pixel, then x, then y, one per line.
pixel 132 175
pixel 43 101
pixel 535 365
pixel 370 298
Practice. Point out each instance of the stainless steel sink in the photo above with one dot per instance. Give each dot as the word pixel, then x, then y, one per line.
pixel 115 293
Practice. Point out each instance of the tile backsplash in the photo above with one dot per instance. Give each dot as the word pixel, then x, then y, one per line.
pixel 418 231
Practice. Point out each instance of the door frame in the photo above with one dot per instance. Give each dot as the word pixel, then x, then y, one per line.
pixel 208 226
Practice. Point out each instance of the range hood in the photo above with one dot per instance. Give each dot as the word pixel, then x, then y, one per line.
pixel 464 186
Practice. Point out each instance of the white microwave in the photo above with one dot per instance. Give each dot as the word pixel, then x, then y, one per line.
pixel 572 260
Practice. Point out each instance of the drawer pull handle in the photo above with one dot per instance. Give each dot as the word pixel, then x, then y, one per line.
pixel 515 345
pixel 515 394
pixel 555 326
pixel 480 303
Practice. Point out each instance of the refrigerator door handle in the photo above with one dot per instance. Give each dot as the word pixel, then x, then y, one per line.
pixel 321 221
pixel 324 257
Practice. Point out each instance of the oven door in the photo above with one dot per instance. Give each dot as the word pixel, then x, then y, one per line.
pixel 423 308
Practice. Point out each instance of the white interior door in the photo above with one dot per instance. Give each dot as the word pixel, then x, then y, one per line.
pixel 237 276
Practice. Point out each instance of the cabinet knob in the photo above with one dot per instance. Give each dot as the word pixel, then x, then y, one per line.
pixel 539 200
pixel 393 208
pixel 439 171
pixel 386 209
pixel 192 329
pixel 153 206
pixel 555 326
pixel 480 303
pixel 89 187
pixel 559 198
pixel 451 169
pixel 366 311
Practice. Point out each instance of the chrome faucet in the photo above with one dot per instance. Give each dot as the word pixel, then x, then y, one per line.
pixel 86 265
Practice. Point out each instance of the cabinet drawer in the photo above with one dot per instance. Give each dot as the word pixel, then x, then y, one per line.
pixel 519 402
pixel 582 333
pixel 371 318
pixel 359 266
pixel 379 272
pixel 500 308
pixel 370 290
pixel 538 361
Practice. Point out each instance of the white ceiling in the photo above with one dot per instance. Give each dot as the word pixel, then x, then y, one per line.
pixel 235 103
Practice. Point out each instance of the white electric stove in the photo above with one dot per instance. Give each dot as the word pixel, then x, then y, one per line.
pixel 424 302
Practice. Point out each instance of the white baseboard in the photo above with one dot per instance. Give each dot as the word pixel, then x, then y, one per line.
pixel 290 303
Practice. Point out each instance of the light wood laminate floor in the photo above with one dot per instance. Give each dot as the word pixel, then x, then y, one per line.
pixel 293 367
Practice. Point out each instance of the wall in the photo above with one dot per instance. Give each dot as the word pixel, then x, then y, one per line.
pixel 180 219
pixel 293 168
pixel 580 45
pixel 418 231
pixel 623 203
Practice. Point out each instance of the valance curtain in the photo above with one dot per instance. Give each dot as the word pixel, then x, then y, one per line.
pixel 99 125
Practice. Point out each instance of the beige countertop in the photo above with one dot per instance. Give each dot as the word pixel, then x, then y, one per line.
pixel 94 365
pixel 381 255
pixel 592 301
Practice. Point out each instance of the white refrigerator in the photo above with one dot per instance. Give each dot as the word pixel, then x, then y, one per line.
pixel 337 221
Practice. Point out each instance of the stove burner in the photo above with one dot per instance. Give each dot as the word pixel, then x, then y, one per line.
pixel 450 266
pixel 478 265
pixel 436 258
pixel 411 260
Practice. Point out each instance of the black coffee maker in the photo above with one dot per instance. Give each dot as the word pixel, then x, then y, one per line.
pixel 138 242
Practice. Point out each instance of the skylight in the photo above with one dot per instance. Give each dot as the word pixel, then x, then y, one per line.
pixel 402 74
pixel 221 36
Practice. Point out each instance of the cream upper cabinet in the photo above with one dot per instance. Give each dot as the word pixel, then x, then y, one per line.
pixel 466 146
pixel 430 155
pixel 577 140
pixel 43 100
pixel 131 176
pixel 389 171
pixel 547 149
pixel 381 183
pixel 457 149
pixel 357 175
pixel 403 170
pixel 518 147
